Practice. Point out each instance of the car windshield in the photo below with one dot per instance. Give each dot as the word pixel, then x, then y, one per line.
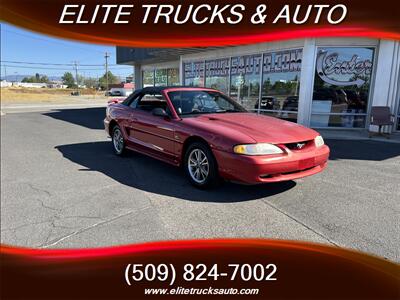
pixel 189 103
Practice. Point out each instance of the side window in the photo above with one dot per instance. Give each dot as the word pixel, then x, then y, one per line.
pixel 128 100
pixel 135 100
pixel 131 99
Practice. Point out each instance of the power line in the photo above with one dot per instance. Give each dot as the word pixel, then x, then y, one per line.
pixel 52 64
pixel 61 69
pixel 51 41
pixel 44 68
pixel 44 64
pixel 106 56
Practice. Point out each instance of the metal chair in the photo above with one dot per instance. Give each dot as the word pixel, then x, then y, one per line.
pixel 381 116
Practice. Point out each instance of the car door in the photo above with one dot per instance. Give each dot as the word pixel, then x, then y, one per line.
pixel 152 134
pixel 126 120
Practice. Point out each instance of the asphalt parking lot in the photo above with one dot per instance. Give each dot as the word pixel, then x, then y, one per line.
pixel 62 186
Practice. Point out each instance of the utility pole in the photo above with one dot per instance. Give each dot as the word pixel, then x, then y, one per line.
pixel 76 76
pixel 106 56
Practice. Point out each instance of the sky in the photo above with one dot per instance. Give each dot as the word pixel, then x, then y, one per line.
pixel 19 45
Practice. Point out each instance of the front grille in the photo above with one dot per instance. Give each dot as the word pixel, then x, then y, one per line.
pixel 298 146
pixel 298 171
pixel 265 176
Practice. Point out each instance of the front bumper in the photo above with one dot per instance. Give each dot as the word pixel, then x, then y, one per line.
pixel 271 168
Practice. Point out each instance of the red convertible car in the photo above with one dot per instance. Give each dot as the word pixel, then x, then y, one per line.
pixel 213 137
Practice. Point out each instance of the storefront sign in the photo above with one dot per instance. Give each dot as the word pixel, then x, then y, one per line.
pixel 282 61
pixel 217 67
pixel 274 62
pixel 249 64
pixel 194 69
pixel 355 69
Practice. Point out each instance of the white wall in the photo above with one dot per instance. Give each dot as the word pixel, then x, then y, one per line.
pixel 4 83
pixel 164 65
pixel 306 82
pixel 138 76
pixel 30 84
pixel 244 50
pixel 385 88
pixel 387 81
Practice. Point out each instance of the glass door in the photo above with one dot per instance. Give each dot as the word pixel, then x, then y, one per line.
pixel 341 87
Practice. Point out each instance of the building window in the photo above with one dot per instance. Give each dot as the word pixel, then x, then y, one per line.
pixel 281 84
pixel 217 74
pixel 193 73
pixel 148 78
pixel 173 77
pixel 245 80
pixel 341 87
pixel 161 77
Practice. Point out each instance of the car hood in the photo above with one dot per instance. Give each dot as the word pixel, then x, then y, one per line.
pixel 260 128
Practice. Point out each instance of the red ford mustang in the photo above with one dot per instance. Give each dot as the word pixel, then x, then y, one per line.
pixel 213 137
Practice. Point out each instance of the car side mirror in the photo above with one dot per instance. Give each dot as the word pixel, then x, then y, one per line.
pixel 158 111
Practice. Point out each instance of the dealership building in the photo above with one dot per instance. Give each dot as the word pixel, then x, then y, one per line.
pixel 317 82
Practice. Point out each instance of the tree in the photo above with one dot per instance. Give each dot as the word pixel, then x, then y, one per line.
pixel 68 79
pixel 267 86
pixel 90 82
pixel 27 79
pixel 112 79
pixel 80 80
pixel 44 79
pixel 36 79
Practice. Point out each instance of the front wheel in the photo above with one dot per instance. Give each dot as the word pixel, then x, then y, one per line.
pixel 118 141
pixel 200 166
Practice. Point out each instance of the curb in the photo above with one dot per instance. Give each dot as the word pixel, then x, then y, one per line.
pixel 393 141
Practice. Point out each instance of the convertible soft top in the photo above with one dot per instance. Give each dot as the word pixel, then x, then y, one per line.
pixel 159 89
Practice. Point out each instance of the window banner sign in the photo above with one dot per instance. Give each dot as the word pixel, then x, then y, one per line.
pixel 193 69
pixel 283 61
pixel 342 71
pixel 342 79
pixel 217 67
pixel 273 62
pixel 249 64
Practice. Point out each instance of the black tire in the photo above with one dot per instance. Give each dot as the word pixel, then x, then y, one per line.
pixel 202 181
pixel 119 147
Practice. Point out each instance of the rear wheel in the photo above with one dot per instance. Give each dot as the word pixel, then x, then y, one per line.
pixel 200 166
pixel 118 140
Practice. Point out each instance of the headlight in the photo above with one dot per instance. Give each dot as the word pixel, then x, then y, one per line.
pixel 257 149
pixel 319 141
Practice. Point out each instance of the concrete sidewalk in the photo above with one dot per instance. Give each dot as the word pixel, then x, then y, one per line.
pixel 357 135
pixel 8 108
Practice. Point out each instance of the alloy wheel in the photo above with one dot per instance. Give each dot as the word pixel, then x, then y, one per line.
pixel 118 140
pixel 198 166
